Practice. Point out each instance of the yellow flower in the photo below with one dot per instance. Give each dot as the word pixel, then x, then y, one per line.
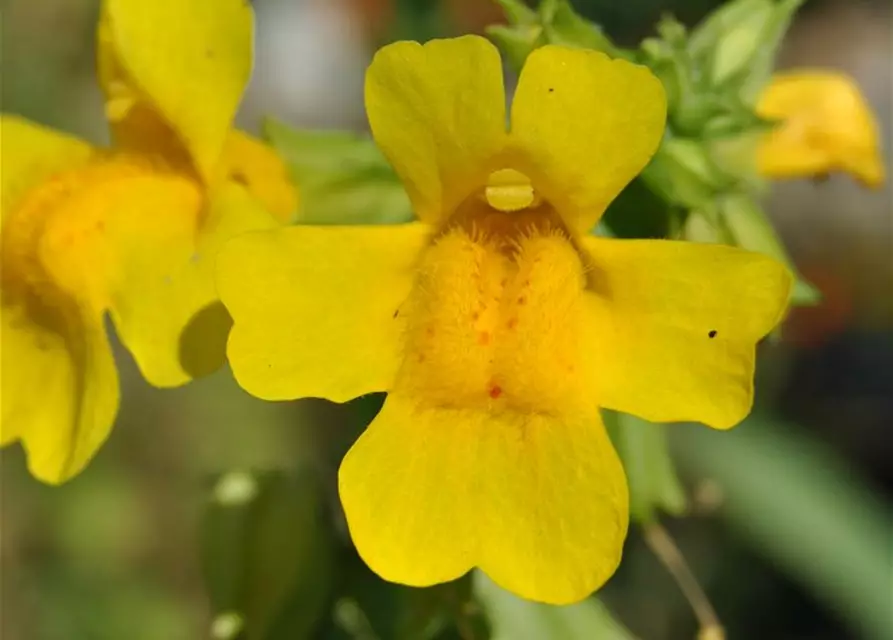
pixel 825 125
pixel 131 230
pixel 495 323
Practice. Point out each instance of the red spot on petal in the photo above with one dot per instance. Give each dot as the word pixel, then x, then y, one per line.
pixel 511 324
pixel 475 315
pixel 522 300
pixel 495 391
pixel 484 337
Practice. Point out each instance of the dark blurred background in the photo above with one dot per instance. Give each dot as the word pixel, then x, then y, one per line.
pixel 113 555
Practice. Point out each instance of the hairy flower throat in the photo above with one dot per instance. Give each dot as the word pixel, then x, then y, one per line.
pixel 493 320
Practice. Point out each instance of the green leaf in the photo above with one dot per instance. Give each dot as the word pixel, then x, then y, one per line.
pixel 516 619
pixel 342 177
pixel 267 556
pixel 644 450
pixel 370 607
pixel 795 501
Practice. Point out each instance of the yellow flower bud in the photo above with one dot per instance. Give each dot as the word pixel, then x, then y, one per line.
pixel 825 125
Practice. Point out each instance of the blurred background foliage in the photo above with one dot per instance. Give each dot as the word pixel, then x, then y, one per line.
pixel 213 514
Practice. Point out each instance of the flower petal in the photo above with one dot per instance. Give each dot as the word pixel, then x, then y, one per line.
pixel 163 304
pixel 538 502
pixel 584 126
pixel 255 165
pixel 31 154
pixel 187 61
pixel 826 125
pixel 59 386
pixel 438 114
pixel 316 309
pixel 676 325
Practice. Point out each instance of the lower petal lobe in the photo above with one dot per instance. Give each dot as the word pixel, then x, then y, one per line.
pixel 316 310
pixel 673 326
pixel 164 300
pixel 59 385
pixel 537 502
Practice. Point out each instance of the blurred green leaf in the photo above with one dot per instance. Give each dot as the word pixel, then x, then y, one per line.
pixel 268 556
pixel 517 12
pixel 516 619
pixel 799 504
pixel 644 450
pixel 762 64
pixel 737 43
pixel 390 611
pixel 342 178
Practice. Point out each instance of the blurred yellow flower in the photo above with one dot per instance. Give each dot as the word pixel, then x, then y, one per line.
pixel 825 125
pixel 131 230
pixel 495 323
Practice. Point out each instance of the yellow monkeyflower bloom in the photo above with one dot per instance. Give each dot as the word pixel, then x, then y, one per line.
pixel 825 125
pixel 131 231
pixel 498 327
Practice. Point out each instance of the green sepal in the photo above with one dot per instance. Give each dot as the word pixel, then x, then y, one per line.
pixel 517 42
pixel 554 22
pixel 736 44
pixel 683 173
pixel 564 26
